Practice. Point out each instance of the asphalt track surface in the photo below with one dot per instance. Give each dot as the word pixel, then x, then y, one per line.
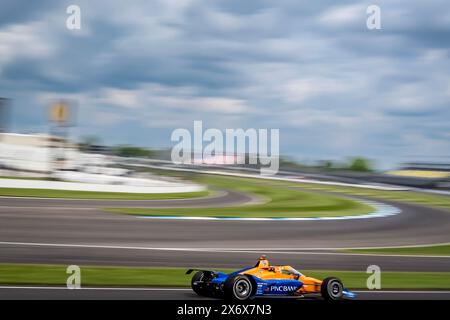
pixel 79 232
pixel 60 231
pixel 104 293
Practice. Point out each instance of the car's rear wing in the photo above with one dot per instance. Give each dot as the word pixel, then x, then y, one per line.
pixel 189 271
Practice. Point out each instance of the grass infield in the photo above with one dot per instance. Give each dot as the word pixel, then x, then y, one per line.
pixel 440 250
pixel 278 200
pixel 39 274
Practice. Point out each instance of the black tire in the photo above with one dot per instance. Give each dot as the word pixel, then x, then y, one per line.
pixel 198 276
pixel 332 289
pixel 238 287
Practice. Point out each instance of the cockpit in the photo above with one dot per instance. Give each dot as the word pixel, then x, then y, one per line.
pixel 290 271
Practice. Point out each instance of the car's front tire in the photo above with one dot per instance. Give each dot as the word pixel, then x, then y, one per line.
pixel 332 289
pixel 238 287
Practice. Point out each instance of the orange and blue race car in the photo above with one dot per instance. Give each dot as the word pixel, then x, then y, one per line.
pixel 265 280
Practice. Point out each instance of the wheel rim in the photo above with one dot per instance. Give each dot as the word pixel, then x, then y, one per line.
pixel 242 289
pixel 335 289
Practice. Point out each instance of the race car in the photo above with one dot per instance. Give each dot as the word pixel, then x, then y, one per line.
pixel 265 280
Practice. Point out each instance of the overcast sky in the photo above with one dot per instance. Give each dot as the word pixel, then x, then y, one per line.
pixel 140 69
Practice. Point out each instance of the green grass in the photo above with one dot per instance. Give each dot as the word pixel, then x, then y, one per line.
pixel 36 274
pixel 441 250
pixel 421 198
pixel 93 275
pixel 48 193
pixel 279 201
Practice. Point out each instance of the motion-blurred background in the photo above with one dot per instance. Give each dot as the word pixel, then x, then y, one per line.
pixel 350 102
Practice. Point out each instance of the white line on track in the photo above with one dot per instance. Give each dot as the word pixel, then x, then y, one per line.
pixel 219 250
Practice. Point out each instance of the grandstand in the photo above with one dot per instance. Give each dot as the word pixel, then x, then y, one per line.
pixel 421 174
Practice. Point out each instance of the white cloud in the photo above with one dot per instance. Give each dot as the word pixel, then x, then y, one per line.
pixel 120 98
pixel 153 96
pixel 221 105
pixel 299 90
pixel 345 15
pixel 224 21
pixel 23 41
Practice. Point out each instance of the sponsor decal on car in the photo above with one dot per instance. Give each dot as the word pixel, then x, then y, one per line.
pixel 281 288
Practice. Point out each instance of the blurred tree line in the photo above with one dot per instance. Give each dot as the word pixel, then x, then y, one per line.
pixel 93 144
pixel 359 164
pixel 132 151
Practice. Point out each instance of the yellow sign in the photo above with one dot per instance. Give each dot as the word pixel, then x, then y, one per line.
pixel 59 112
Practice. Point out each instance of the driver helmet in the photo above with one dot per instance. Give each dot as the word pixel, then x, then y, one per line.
pixel 263 262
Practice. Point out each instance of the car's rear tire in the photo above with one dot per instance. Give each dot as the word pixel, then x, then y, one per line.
pixel 332 289
pixel 198 276
pixel 238 287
